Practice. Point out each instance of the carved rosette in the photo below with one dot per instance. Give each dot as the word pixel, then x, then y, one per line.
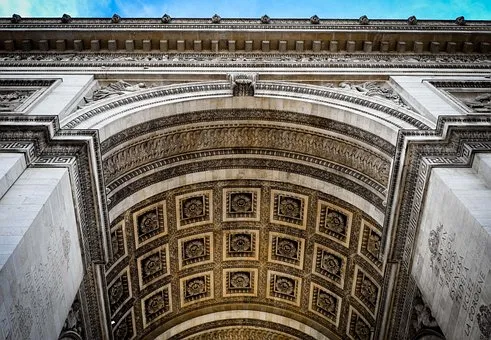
pixel 196 288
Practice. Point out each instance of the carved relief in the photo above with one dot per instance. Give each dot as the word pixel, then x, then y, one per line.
pixel 125 328
pixel 10 100
pixel 240 244
pixel 118 244
pixel 114 89
pixel 119 291
pixel 334 222
pixel 156 305
pixel 480 103
pixel 73 326
pixel 289 209
pixel 195 250
pixel 370 245
pixel 153 265
pixel 242 84
pixel 484 321
pixel 285 249
pixel 358 327
pixel 194 209
pixel 284 287
pixel 329 264
pixel 240 282
pixel 366 290
pixel 241 204
pixel 196 288
pixel 379 90
pixel 149 223
pixel 325 303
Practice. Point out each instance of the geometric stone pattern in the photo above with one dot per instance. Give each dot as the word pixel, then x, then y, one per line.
pixel 125 328
pixel 334 222
pixel 358 327
pixel 369 245
pixel 289 209
pixel 196 288
pixel 329 264
pixel 195 250
pixel 149 223
pixel 285 249
pixel 284 287
pixel 156 305
pixel 194 209
pixel 218 253
pixel 153 265
pixel 366 290
pixel 325 303
pixel 240 244
pixel 241 204
pixel 240 282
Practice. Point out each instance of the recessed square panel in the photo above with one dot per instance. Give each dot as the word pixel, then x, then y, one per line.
pixel 153 265
pixel 286 249
pixel 369 246
pixel 194 209
pixel 125 328
pixel 284 287
pixel 196 288
pixel 195 250
pixel 156 305
pixel 149 223
pixel 240 244
pixel 289 209
pixel 240 282
pixel 334 222
pixel 366 290
pixel 119 291
pixel 358 327
pixel 118 245
pixel 241 204
pixel 329 264
pixel 325 303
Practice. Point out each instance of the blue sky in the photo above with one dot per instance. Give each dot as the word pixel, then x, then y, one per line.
pixel 386 9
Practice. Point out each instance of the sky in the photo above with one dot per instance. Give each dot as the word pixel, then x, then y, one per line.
pixel 334 9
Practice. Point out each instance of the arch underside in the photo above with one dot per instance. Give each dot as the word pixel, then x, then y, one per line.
pixel 245 211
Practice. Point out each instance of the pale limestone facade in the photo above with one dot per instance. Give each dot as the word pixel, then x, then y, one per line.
pixel 237 179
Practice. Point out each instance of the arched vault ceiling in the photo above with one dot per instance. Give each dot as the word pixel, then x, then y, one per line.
pixel 261 246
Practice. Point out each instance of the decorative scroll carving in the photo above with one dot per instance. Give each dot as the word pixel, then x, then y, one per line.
pixel 166 19
pixel 243 84
pixel 375 89
pixel 114 89
pixel 115 18
pixel 363 20
pixel 265 19
pixel 314 20
pixel 215 19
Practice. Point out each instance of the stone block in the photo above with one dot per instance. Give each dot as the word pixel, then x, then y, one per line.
pixel 112 45
pixel 350 46
pixel 484 47
pixel 468 47
pixel 367 46
pixel 78 45
pixel 164 45
pixel 129 45
pixel 418 47
pixel 282 46
pixel 9 45
pixel 214 46
pixel 316 46
pixel 384 46
pixel 265 45
pixel 181 45
pixel 299 45
pixel 95 45
pixel 248 46
pixel 451 47
pixel 333 46
pixel 60 45
pixel 231 45
pixel 26 45
pixel 401 46
pixel 147 45
pixel 434 47
pixel 197 46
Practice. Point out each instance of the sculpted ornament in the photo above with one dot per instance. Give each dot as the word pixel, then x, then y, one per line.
pixel 363 20
pixel 66 19
pixel 10 100
pixel 243 84
pixel 113 89
pixel 314 20
pixel 216 19
pixel 481 103
pixel 374 89
pixel 412 20
pixel 484 321
pixel 16 18
pixel 115 19
pixel 166 19
pixel 265 19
